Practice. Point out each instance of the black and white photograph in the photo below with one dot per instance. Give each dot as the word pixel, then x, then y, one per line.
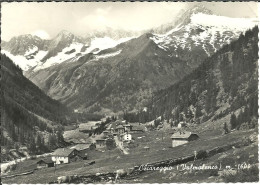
pixel 129 92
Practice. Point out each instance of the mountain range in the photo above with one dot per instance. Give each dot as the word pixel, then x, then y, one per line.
pixel 121 70
pixel 225 82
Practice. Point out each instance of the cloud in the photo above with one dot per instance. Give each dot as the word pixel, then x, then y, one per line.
pixel 97 20
pixel 42 34
pixel 103 11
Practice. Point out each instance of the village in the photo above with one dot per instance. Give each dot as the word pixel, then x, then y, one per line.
pixel 123 145
pixel 118 134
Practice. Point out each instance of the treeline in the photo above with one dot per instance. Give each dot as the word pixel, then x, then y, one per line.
pixel 230 76
pixel 84 117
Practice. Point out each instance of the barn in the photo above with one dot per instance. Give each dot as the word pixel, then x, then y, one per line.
pixel 182 137
pixel 100 143
pixel 43 163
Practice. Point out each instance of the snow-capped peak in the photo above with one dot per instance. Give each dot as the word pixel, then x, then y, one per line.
pixel 222 22
pixel 199 9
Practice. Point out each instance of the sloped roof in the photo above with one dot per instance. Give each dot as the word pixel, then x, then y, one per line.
pixel 80 146
pixel 46 160
pixel 118 122
pixel 138 127
pixel 182 135
pixel 63 152
pixel 112 126
pixel 120 126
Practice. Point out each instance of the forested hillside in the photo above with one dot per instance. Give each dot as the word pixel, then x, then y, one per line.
pixel 224 83
pixel 26 110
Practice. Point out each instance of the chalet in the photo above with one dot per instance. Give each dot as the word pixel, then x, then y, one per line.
pixel 65 155
pixel 105 133
pixel 120 129
pixel 43 163
pixel 126 137
pixel 128 128
pixel 180 138
pixel 100 143
pixel 138 129
pixel 146 148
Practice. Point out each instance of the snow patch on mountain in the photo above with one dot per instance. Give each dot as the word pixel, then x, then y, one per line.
pixel 99 44
pixel 74 51
pixel 23 62
pixel 62 56
pixel 209 32
pixel 108 55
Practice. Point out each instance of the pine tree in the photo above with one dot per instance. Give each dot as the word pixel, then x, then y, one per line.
pixel 233 121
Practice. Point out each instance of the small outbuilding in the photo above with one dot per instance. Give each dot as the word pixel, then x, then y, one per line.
pixel 100 143
pixel 181 137
pixel 45 163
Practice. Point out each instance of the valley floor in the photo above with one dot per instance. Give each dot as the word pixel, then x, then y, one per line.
pixel 159 143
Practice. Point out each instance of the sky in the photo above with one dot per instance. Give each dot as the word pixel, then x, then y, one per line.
pixel 47 19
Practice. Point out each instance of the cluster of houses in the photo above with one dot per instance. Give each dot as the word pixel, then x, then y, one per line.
pixel 119 129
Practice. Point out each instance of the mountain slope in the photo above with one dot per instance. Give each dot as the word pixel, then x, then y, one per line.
pixel 104 73
pixel 225 82
pixel 32 52
pixel 26 110
pixel 114 78
pixel 124 76
pixel 198 33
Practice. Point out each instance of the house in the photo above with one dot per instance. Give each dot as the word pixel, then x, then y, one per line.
pixel 126 137
pixel 65 155
pixel 105 133
pixel 180 138
pixel 128 128
pixel 120 129
pixel 100 143
pixel 45 163
pixel 138 129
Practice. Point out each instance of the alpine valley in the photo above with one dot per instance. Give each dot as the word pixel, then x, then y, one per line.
pixel 123 106
pixel 119 70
